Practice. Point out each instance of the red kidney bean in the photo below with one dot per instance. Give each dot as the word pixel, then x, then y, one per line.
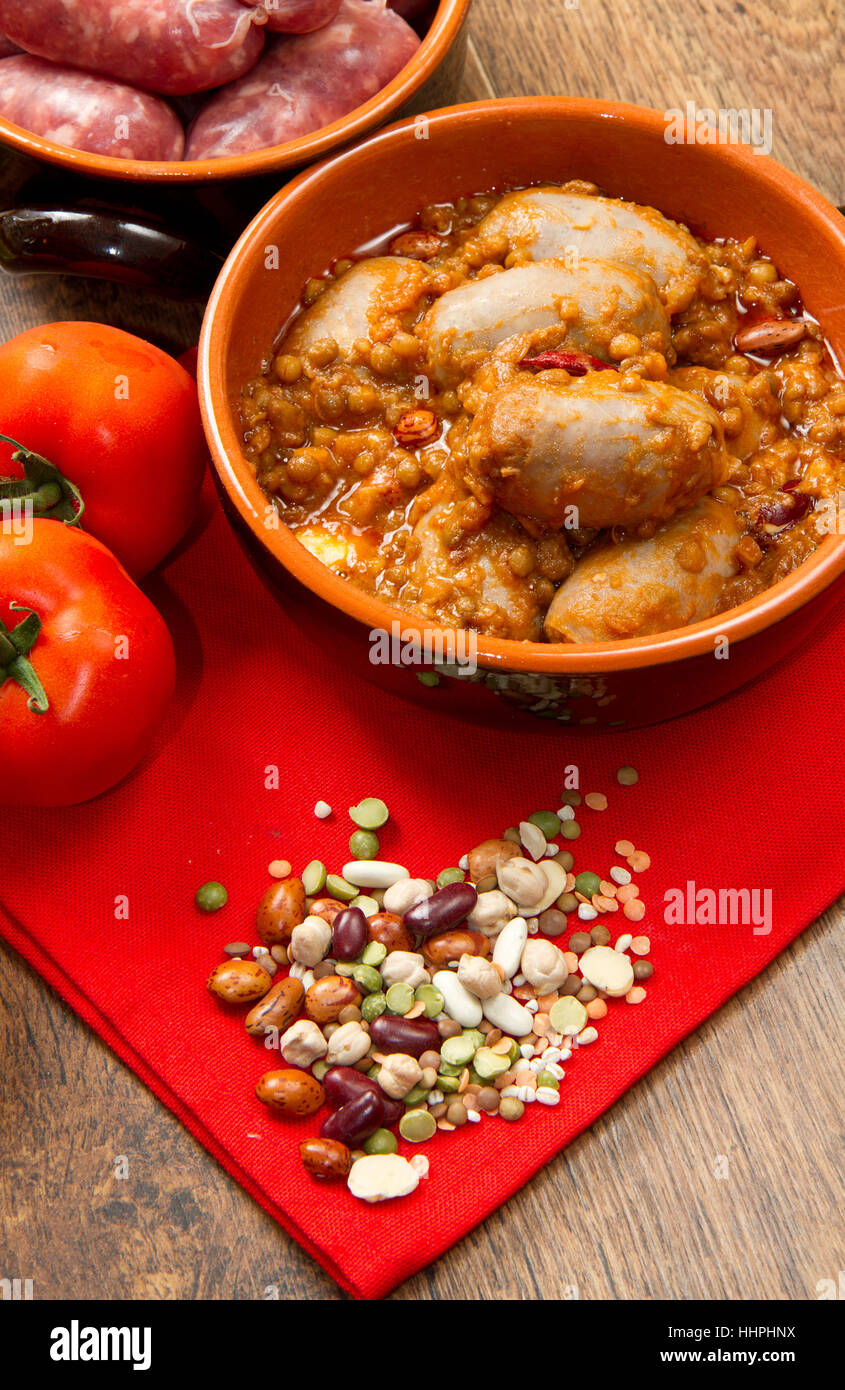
pixel 411 1035
pixel 444 909
pixel 344 1084
pixel 349 934
pixel 355 1121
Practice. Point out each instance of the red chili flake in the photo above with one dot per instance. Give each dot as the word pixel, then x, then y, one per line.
pixel 576 363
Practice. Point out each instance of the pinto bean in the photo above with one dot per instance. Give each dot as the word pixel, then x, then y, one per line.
pixel 451 945
pixel 390 930
pixel 281 909
pixel 325 1158
pixel 485 859
pixel 239 981
pixel 444 909
pixel 290 1091
pixel 277 1009
pixel 328 908
pixel 329 996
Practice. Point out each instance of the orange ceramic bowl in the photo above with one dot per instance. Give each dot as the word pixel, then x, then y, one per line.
pixel 721 190
pixel 432 75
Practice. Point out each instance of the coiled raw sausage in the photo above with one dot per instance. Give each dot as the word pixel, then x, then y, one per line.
pixel 88 113
pixel 171 46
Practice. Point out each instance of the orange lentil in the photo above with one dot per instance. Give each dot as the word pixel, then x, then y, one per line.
pixel 624 847
pixel 464 1080
pixel 502 1047
pixel 415 1010
pixel 280 868
pixel 640 946
pixel 571 963
pixel 607 889
pixel 541 1025
pixel 596 1008
pixel 494 1035
pixel 541 1043
pixel 627 892
pixel 634 910
pixel 635 995
pixel 639 861
pixel 603 904
pixel 570 882
pixel 545 1001
pixel 445 1125
pixel 597 801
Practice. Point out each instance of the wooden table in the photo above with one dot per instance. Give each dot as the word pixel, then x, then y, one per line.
pixel 745 1199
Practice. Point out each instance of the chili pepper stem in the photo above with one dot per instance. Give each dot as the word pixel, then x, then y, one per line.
pixel 15 646
pixel 43 488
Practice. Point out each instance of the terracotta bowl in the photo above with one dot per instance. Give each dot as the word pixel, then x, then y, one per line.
pixel 720 190
pixel 431 76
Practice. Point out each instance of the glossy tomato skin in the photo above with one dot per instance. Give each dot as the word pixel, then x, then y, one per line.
pixel 120 419
pixel 104 657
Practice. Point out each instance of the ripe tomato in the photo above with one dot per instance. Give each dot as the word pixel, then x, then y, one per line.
pixel 86 667
pixel 120 420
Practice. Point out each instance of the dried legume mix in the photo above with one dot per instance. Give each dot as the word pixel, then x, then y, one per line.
pixel 412 1005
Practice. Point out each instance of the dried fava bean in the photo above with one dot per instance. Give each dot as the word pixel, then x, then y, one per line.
pixel 543 965
pixel 325 1158
pixel 325 999
pixel 364 844
pixel 355 1121
pixel 399 1073
pixel 443 910
pixel 349 934
pixel 314 878
pixel 556 884
pixel 608 970
pixel 491 912
pixel 523 881
pixel 459 1004
pixel 404 967
pixel 510 945
pixel 239 981
pixel 383 1141
pixel 486 857
pixel 380 1177
pixel 389 929
pixel 450 945
pixel 373 873
pixel 280 910
pixel 507 1013
pixel 303 1043
pixel 277 1009
pixel 416 1126
pixel 413 1036
pixel 348 1045
pixel 479 976
pixel 369 814
pixel 290 1091
pixel 405 893
pixel 643 969
pixel 211 897
pixel 568 1016
pixel 310 941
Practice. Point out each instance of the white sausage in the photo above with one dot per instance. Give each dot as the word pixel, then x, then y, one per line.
pixel 549 443
pixel 596 301
pixel 639 587
pixel 542 223
pixel 353 306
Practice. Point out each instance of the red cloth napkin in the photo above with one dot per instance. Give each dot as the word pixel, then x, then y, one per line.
pixel 746 794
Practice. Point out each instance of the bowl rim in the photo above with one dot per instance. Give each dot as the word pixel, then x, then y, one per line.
pixel 442 33
pixel 241 487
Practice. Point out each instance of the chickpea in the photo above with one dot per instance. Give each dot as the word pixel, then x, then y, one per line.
pixel 761 273
pixel 362 399
pixel 320 354
pixel 287 367
pixel 313 290
pixel 553 559
pixel 624 345
pixel 330 402
pixel 364 462
pixel 408 473
pixel 522 560
pixel 383 359
pixel 405 345
pixel 304 465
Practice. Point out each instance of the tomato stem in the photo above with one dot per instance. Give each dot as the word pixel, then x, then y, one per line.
pixel 42 488
pixel 15 646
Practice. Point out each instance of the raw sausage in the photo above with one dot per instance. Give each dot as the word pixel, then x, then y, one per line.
pixel 595 301
pixel 552 443
pixel 639 587
pixel 88 113
pixel 353 306
pixel 539 223
pixel 171 46
pixel 305 82
pixel 296 16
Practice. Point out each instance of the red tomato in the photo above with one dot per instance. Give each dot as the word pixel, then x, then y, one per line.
pixel 120 420
pixel 102 663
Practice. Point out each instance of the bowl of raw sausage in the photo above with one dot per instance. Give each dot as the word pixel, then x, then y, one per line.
pixel 189 92
pixel 552 421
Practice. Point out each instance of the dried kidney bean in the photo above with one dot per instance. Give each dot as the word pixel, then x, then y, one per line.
pixel 344 1084
pixel 349 934
pixel 413 1036
pixel 444 909
pixel 355 1121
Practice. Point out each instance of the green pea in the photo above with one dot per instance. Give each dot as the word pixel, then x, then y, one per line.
pixel 587 883
pixel 369 813
pixel 416 1096
pixel 417 1125
pixel 547 1078
pixel 211 897
pixel 373 1006
pixel 453 1069
pixel 345 968
pixel 447 1084
pixel 319 1068
pixel 375 1070
pixel 514 1054
pixel 373 954
pixel 476 1037
pixel 363 844
pixel 400 998
pixel 314 878
pixel 490 1064
pixel 570 830
pixel 548 822
pixel 381 1142
pixel 430 996
pixel 457 1052
pixel 429 678
pixel 449 876
pixel 368 978
pixel 337 887
pixel 369 906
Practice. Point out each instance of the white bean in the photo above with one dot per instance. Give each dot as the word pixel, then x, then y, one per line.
pixel 378 1177
pixel 373 873
pixel 459 1004
pixel 510 944
pixel 507 1013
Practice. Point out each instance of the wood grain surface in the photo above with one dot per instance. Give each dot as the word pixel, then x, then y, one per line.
pixel 744 1198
